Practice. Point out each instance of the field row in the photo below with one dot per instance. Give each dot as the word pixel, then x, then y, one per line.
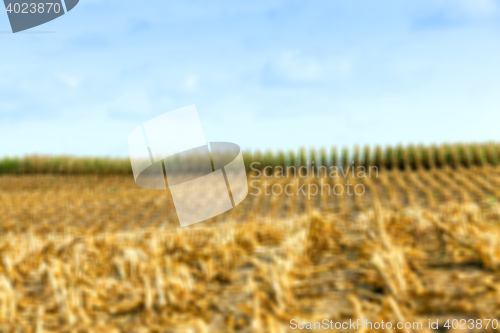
pixel 115 202
pixel 399 157
pixel 98 254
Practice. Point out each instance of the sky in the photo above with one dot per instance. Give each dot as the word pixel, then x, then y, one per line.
pixel 263 74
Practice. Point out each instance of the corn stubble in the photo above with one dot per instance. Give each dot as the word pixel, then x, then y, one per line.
pixel 94 253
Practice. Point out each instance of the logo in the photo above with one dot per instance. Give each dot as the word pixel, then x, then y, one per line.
pixel 26 14
pixel 204 179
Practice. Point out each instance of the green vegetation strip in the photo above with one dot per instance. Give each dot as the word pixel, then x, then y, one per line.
pixel 402 157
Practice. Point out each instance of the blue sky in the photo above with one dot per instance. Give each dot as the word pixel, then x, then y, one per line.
pixel 263 74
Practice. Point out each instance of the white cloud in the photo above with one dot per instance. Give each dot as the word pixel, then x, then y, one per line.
pixel 345 67
pixel 190 83
pixel 68 80
pixel 442 13
pixel 475 8
pixel 131 102
pixel 294 67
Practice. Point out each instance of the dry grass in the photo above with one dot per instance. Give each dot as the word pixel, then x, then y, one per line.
pixel 97 254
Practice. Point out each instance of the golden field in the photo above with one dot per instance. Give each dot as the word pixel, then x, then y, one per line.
pixel 92 252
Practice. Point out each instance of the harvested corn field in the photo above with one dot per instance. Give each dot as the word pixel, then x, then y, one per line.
pixel 92 252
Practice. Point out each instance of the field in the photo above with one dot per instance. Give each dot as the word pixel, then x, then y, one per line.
pixel 83 249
